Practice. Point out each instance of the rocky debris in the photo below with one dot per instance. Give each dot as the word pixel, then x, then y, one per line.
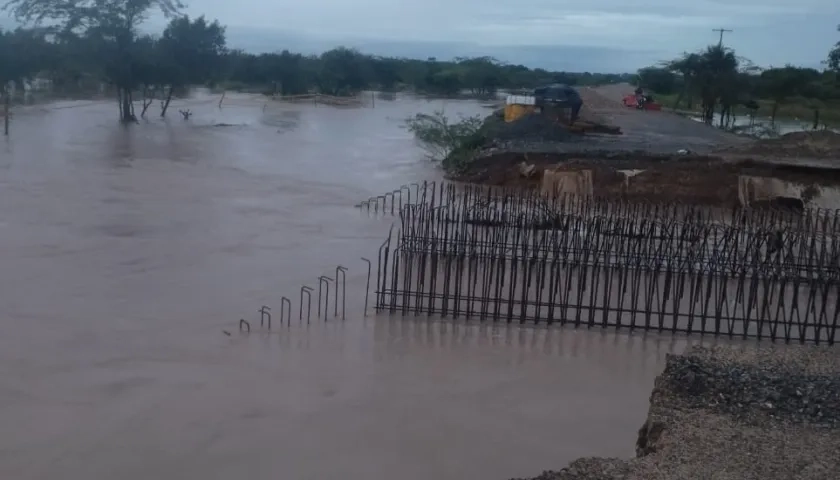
pixel 752 392
pixel 589 469
pixel 759 412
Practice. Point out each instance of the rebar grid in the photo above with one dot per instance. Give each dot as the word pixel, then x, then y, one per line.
pixel 527 257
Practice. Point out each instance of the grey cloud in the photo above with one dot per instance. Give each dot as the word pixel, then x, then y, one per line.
pixel 767 31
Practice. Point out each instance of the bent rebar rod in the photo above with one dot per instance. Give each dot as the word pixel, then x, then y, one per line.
pixel 367 286
pixel 408 193
pixel 308 291
pixel 324 280
pixel 285 307
pixel 243 322
pixel 264 312
pixel 342 271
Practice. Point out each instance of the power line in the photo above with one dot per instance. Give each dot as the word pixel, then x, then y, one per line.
pixel 721 30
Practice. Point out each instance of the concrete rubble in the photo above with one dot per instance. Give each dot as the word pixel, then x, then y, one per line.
pixel 748 412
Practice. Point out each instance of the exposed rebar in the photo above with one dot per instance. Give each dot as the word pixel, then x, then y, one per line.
pixel 518 255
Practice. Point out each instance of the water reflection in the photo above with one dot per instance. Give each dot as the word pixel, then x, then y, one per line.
pixel 604 348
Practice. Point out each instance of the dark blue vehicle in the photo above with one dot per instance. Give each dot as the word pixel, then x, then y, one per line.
pixel 559 95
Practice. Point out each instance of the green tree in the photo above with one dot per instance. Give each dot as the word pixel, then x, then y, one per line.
pixel 386 73
pixel 689 67
pixel 343 71
pixel 109 28
pixel 482 75
pixel 710 75
pixel 834 57
pixel 23 54
pixel 780 84
pixel 190 53
pixel 658 79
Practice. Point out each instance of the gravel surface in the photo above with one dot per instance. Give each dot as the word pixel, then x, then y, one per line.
pixel 661 131
pixel 751 392
pixel 647 132
pixel 532 128
pixel 758 412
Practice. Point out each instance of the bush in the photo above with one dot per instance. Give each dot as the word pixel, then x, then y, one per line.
pixel 452 144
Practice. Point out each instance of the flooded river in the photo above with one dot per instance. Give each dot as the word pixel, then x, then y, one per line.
pixel 127 251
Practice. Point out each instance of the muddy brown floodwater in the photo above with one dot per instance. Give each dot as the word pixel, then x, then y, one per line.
pixel 126 253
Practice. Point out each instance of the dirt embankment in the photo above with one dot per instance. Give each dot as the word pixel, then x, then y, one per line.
pixel 765 413
pixel 710 180
pixel 669 158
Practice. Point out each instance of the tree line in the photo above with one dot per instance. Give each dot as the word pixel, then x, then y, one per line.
pixel 78 46
pixel 716 80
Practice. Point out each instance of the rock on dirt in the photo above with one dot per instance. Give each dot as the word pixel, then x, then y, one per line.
pixel 765 412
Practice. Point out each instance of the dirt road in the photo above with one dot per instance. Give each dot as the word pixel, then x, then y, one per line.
pixel 656 132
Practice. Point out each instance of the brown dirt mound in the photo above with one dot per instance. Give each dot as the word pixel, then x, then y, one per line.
pixel 819 144
pixel 707 180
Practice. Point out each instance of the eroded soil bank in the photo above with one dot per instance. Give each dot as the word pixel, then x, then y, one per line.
pixel 749 412
pixel 702 179
pixel 669 158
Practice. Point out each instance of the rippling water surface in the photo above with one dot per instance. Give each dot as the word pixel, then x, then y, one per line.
pixel 126 253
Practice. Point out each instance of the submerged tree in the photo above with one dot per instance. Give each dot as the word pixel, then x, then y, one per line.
pixel 108 28
pixel 190 52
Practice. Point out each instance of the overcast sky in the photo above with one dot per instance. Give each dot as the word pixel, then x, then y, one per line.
pixel 766 31
pixel 769 32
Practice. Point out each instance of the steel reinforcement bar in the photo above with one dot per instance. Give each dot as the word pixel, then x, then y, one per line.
pixel 534 206
pixel 531 286
pixel 584 238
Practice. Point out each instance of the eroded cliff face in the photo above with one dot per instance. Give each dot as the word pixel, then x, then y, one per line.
pixel 649 436
pixel 750 412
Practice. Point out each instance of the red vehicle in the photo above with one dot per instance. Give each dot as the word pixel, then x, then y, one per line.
pixel 641 101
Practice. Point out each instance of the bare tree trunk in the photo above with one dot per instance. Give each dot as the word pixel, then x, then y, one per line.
pixel 148 98
pixel 773 113
pixel 126 106
pixel 166 103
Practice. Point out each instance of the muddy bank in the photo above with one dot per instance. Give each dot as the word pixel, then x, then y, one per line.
pixel 704 179
pixel 749 412
pixel 671 159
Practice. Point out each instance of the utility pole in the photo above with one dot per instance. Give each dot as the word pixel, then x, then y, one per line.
pixel 721 30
